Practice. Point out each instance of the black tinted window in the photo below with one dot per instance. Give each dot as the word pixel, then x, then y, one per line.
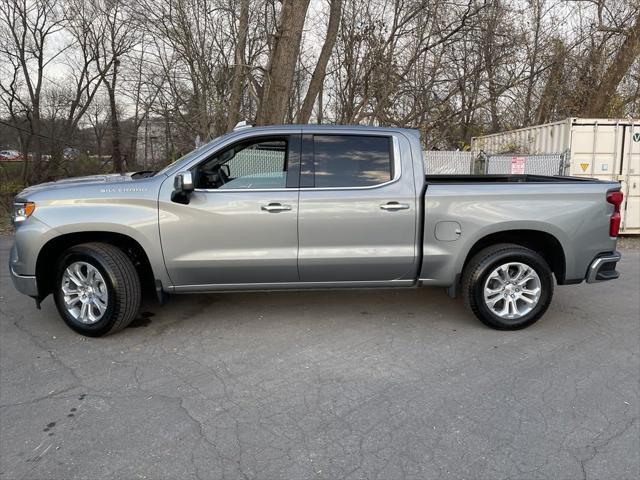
pixel 351 160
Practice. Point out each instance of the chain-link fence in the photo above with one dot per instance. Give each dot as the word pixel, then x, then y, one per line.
pixel 448 162
pixel 252 161
pixel 549 164
pixel 464 163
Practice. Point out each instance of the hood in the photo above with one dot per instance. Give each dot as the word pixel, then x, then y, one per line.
pixel 77 182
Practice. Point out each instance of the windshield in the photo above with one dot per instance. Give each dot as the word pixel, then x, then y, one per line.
pixel 187 157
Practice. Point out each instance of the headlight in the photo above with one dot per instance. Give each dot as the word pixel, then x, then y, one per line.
pixel 22 211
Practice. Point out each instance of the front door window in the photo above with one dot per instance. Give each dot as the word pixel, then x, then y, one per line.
pixel 256 164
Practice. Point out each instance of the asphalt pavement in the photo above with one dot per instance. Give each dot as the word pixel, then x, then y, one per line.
pixel 325 385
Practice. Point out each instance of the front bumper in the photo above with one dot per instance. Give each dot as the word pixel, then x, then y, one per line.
pixel 25 283
pixel 603 268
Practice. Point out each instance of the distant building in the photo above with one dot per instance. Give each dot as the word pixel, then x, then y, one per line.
pixel 153 142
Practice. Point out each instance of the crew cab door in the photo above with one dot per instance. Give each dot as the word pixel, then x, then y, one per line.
pixel 240 223
pixel 358 208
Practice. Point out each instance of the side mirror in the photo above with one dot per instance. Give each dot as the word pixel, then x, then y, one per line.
pixel 182 187
pixel 184 182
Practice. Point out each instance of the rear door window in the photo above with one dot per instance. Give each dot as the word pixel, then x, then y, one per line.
pixel 352 160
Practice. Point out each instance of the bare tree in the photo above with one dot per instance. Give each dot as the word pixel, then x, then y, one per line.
pixel 624 57
pixel 114 34
pixel 26 31
pixel 279 73
pixel 239 68
pixel 317 78
pixel 97 118
pixel 15 106
pixel 192 42
pixel 554 85
pixel 141 87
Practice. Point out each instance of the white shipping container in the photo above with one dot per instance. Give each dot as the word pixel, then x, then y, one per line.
pixel 608 149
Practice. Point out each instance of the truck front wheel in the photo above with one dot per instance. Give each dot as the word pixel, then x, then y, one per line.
pixel 507 286
pixel 97 289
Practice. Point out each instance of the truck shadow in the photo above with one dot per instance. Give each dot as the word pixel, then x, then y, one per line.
pixel 213 310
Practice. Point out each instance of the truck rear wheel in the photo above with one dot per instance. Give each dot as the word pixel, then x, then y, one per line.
pixel 97 289
pixel 507 286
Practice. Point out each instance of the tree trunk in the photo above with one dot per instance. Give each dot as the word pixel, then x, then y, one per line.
pixel 133 148
pixel 321 67
pixel 116 155
pixel 36 129
pixel 603 96
pixel 553 85
pixel 488 53
pixel 282 63
pixel 24 148
pixel 533 63
pixel 239 69
pixel 167 156
pixel 320 106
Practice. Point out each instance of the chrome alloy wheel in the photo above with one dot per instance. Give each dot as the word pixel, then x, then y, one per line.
pixel 85 292
pixel 512 290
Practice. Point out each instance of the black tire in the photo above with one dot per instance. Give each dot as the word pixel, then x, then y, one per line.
pixel 122 282
pixel 484 263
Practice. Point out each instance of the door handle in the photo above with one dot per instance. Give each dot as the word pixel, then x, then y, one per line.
pixel 393 206
pixel 275 207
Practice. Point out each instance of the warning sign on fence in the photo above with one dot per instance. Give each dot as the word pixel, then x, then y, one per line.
pixel 517 165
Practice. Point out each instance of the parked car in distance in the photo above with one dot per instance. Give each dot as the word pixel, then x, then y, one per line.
pixel 70 153
pixel 311 207
pixel 10 156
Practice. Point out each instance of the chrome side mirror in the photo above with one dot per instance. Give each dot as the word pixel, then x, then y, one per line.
pixel 183 182
pixel 182 187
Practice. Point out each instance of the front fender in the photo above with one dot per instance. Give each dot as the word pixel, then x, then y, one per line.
pixel 130 210
pixel 135 219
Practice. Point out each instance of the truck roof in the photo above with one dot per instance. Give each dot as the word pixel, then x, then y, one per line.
pixel 328 128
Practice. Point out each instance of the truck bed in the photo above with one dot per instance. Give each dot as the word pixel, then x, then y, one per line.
pixel 460 210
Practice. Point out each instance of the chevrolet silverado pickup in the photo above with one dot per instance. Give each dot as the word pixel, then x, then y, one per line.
pixel 310 207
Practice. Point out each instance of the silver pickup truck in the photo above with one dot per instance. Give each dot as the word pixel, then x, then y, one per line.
pixel 299 207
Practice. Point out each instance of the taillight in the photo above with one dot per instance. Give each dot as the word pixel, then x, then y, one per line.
pixel 615 199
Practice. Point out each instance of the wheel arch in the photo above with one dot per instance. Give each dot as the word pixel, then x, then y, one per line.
pixel 50 253
pixel 544 243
